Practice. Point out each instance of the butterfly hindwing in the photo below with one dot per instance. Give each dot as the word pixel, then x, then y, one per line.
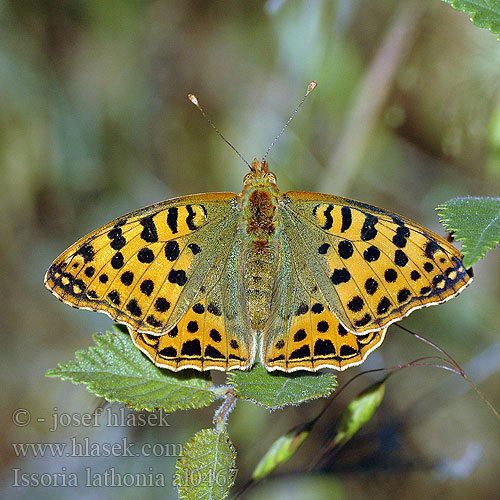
pixel 214 332
pixel 202 340
pixel 304 334
pixel 146 268
pixel 373 267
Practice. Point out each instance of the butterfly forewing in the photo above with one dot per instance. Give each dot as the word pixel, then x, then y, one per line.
pixel 373 267
pixel 145 269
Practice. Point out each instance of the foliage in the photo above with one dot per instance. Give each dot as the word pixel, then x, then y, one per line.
pixel 116 370
pixel 275 390
pixel 206 468
pixel 475 222
pixel 484 13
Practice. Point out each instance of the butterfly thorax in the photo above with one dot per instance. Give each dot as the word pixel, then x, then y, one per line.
pixel 259 259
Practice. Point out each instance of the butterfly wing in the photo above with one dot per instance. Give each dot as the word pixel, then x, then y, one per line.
pixel 304 333
pixel 169 273
pixel 373 267
pixel 145 268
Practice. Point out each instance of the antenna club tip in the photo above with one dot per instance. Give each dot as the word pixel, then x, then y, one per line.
pixel 312 86
pixel 193 99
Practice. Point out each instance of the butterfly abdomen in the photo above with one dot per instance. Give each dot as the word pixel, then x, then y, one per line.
pixel 259 269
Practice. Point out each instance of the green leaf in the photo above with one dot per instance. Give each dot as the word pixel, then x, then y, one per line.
pixel 484 13
pixel 117 370
pixel 206 468
pixel 475 222
pixel 277 389
pixel 358 412
pixel 282 450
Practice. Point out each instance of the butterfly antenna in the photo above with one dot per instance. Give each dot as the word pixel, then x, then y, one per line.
pixel 310 88
pixel 194 100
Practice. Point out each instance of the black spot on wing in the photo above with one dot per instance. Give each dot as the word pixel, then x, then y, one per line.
pixel 324 348
pixel 346 351
pixel 162 304
pixel 147 287
pixel 192 326
pixel 133 308
pixel 119 243
pixel 172 216
pixel 127 278
pixel 190 218
pixel 303 352
pixel 323 248
pixel 117 261
pixel 371 254
pixel 346 219
pixel 399 239
pixel 345 249
pixel 194 248
pixel 431 248
pixel 383 305
pixel 173 333
pixel 328 216
pixel 151 320
pixel 363 321
pixel 114 297
pixel 149 233
pixel 145 255
pixel 317 308
pixel 199 308
pixel 403 295
pixel 300 335
pixel 117 239
pixel 87 252
pixel 322 326
pixel 177 277
pixel 340 276
pixel 168 352
pixel 212 352
pixel 400 258
pixel 368 231
pixel 191 348
pixel 415 275
pixel 172 250
pixel 390 275
pixel 215 335
pixel 371 286
pixel 355 304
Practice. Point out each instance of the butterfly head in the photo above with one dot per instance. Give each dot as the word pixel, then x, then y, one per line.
pixel 259 174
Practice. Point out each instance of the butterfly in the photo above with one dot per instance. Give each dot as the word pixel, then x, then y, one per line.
pixel 299 280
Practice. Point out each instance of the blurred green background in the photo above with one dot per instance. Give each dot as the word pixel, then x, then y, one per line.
pixel 94 123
